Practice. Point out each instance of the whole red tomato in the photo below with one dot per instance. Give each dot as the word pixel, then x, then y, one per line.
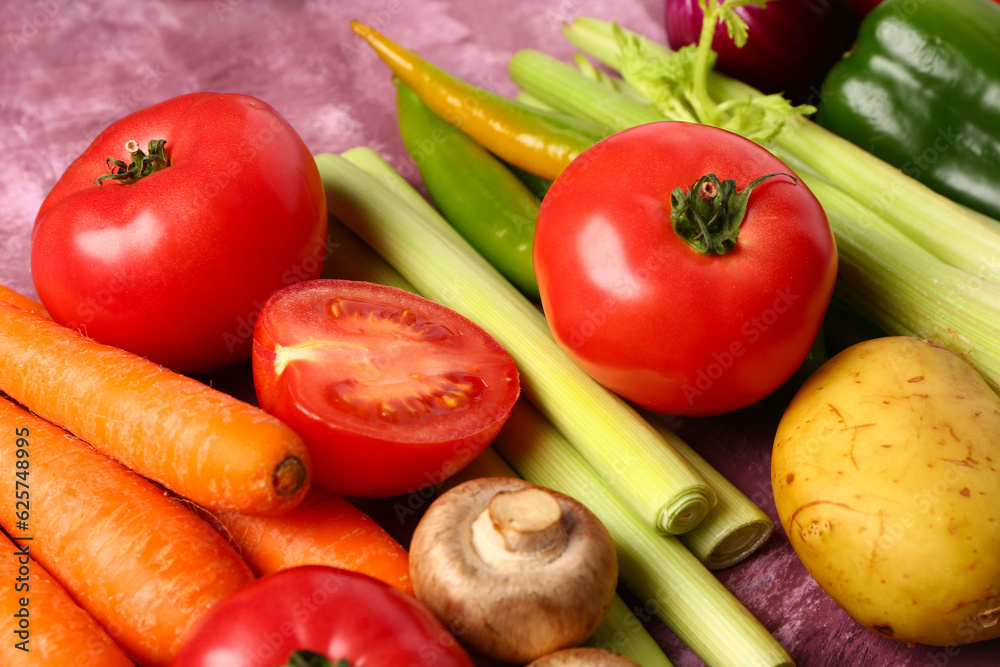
pixel 335 613
pixel 176 265
pixel 392 392
pixel 668 327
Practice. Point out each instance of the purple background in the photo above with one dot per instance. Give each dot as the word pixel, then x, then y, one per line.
pixel 70 68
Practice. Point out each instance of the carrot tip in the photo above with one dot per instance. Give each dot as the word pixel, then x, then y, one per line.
pixel 289 476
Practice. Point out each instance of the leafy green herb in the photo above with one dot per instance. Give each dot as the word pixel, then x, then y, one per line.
pixel 677 83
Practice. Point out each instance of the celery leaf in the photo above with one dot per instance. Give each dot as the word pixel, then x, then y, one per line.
pixel 735 25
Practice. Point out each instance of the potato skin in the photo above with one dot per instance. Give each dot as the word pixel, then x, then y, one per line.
pixel 884 472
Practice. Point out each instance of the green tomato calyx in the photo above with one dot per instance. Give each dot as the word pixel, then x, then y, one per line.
pixel 709 216
pixel 306 658
pixel 142 164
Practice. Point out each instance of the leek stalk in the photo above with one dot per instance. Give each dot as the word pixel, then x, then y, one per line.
pixel 736 526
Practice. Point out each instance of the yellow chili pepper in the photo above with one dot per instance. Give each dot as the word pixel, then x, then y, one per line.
pixel 538 141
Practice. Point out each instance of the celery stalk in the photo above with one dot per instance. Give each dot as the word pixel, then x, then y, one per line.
pixel 623 632
pixel 562 87
pixel 734 528
pixel 660 569
pixel 399 224
pixel 351 259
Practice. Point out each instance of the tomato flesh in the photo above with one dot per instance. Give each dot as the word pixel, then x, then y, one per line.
pixel 392 392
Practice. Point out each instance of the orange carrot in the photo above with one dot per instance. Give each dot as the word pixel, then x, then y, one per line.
pixel 199 442
pixel 41 624
pixel 323 529
pixel 140 561
pixel 24 303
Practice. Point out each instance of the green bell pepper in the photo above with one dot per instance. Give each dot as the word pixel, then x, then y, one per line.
pixel 473 190
pixel 921 90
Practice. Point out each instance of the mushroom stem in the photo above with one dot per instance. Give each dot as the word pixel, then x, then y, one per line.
pixel 519 528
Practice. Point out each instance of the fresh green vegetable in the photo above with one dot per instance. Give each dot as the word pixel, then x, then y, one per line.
pixel 915 91
pixel 911 260
pixel 541 142
pixel 735 527
pixel 675 584
pixel 623 632
pixel 474 191
pixel 393 218
pixel 536 184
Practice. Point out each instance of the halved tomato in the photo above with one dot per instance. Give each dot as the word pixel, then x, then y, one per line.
pixel 392 392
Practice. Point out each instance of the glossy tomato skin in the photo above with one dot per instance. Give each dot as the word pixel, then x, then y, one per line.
pixel 337 613
pixel 176 266
pixel 663 326
pixel 346 383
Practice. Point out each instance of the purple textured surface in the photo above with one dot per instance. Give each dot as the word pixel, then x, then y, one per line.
pixel 69 68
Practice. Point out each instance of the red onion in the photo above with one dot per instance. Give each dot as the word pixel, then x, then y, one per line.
pixel 791 44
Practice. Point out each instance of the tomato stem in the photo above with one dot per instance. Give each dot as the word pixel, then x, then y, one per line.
pixel 708 217
pixel 141 165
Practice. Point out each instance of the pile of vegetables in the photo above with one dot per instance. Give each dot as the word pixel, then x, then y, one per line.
pixel 649 235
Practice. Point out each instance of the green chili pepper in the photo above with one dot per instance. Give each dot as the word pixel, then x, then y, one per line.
pixel 474 191
pixel 538 141
pixel 922 91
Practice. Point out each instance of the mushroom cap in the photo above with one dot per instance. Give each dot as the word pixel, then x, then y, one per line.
pixel 590 656
pixel 518 611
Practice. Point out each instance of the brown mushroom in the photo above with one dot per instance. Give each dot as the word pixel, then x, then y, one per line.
pixel 590 656
pixel 513 569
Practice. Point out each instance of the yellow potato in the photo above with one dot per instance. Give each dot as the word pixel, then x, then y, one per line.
pixel 885 478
